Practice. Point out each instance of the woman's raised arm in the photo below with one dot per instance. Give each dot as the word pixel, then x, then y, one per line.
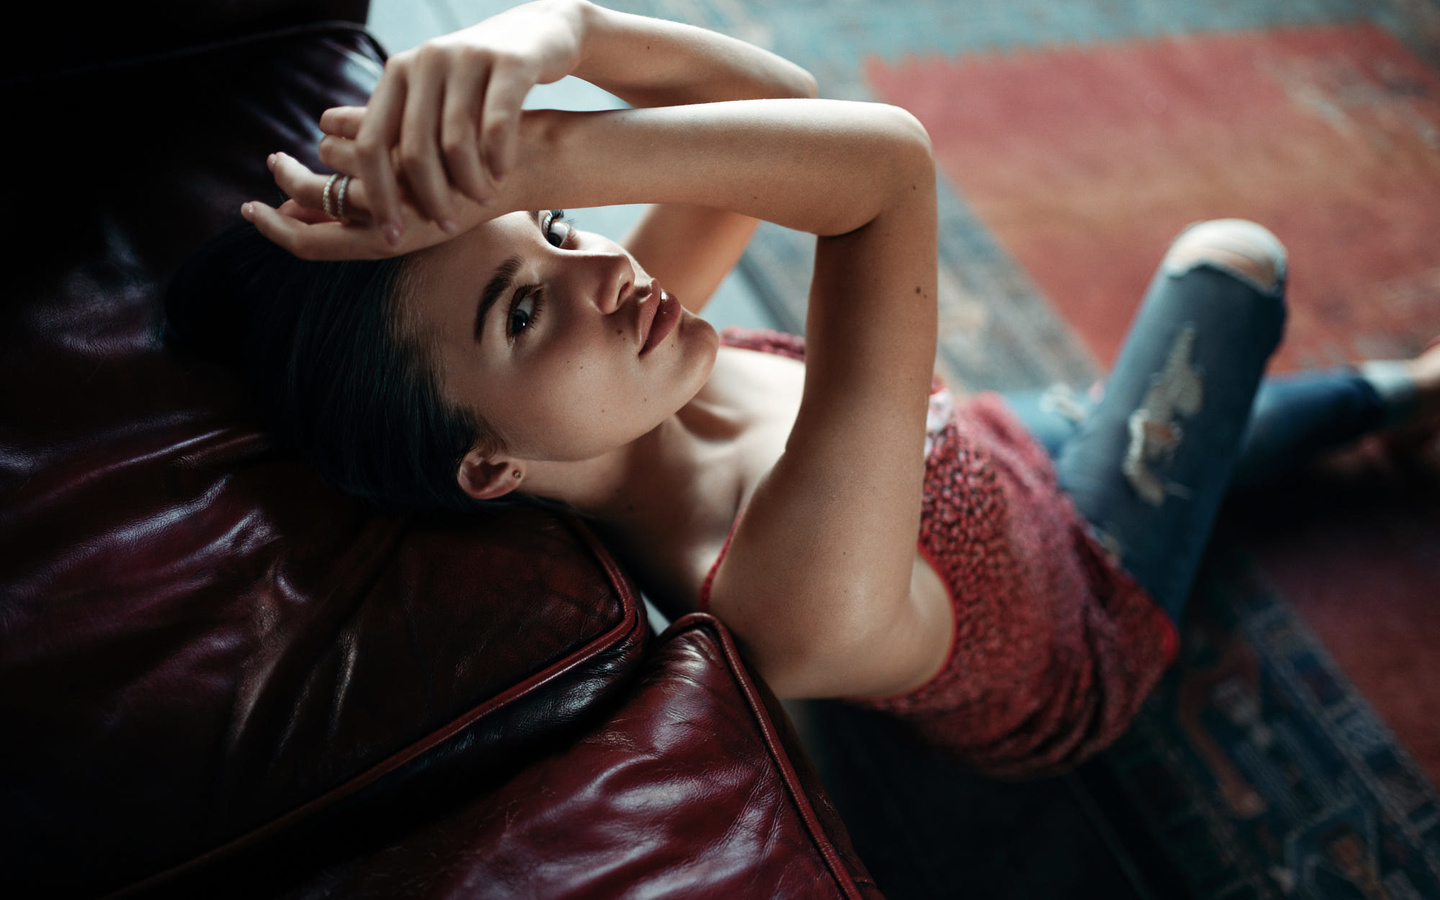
pixel 446 114
pixel 443 123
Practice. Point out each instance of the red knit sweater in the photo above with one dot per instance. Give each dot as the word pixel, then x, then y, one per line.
pixel 1055 645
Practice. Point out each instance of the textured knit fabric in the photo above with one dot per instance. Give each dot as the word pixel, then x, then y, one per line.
pixel 1055 646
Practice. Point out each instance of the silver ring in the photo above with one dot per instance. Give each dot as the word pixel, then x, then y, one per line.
pixel 325 197
pixel 340 198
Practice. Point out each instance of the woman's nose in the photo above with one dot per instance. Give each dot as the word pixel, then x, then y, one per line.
pixel 611 280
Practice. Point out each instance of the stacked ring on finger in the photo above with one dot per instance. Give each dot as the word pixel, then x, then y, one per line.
pixel 327 197
pixel 340 198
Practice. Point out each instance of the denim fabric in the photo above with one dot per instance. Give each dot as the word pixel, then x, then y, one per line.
pixel 1193 360
pixel 1296 418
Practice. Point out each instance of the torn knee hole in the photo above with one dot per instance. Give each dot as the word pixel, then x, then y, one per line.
pixel 1244 249
pixel 1155 432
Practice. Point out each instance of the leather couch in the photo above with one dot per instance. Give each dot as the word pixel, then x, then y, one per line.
pixel 220 677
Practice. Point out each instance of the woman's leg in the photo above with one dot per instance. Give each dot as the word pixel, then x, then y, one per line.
pixel 1300 417
pixel 1052 415
pixel 1295 418
pixel 1149 465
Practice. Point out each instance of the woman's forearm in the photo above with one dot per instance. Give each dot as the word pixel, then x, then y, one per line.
pixel 828 167
pixel 822 166
pixel 651 62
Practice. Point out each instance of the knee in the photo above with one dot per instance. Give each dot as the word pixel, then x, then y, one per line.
pixel 1243 248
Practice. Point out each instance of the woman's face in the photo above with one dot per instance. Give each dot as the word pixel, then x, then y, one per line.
pixel 547 343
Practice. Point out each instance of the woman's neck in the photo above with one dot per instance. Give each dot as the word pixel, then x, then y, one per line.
pixel 685 468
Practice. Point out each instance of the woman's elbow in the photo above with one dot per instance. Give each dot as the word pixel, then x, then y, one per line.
pixel 850 655
pixel 912 141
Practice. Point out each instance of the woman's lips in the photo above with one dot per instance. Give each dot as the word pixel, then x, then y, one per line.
pixel 667 315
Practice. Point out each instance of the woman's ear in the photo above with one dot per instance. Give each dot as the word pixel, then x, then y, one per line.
pixel 486 478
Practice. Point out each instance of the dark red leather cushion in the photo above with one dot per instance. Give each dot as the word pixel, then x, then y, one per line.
pixel 688 791
pixel 53 37
pixel 199 642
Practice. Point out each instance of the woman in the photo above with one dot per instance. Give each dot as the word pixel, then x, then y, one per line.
pixel 863 535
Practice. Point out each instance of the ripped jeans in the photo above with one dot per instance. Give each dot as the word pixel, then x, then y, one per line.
pixel 1149 462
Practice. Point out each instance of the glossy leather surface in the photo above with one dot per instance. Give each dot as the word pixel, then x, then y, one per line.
pixel 67 37
pixel 690 790
pixel 199 638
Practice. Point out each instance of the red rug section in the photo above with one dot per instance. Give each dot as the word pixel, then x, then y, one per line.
pixel 1086 162
pixel 1357 551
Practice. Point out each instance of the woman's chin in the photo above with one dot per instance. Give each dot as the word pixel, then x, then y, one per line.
pixel 700 343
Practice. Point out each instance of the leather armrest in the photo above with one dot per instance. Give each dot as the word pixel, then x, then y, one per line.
pixel 693 788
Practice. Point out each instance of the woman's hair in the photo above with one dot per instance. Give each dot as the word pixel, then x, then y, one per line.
pixel 325 349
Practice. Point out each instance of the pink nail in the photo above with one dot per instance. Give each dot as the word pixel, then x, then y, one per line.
pixel 246 212
pixel 391 233
pixel 449 227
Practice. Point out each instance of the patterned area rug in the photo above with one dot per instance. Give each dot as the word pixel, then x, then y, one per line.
pixel 1261 769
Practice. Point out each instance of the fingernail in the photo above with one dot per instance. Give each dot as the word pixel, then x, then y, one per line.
pixel 448 226
pixel 270 162
pixel 247 212
pixel 391 233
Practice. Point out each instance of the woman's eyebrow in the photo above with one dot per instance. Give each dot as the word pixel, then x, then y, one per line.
pixel 498 285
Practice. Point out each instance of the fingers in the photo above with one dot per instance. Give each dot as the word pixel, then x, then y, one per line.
pixel 419 154
pixel 342 121
pixel 330 240
pixel 324 240
pixel 306 190
pixel 339 154
pixel 301 226
pixel 342 156
pixel 303 213
pixel 297 181
pixel 500 119
pixel 443 123
pixel 373 141
pixel 458 138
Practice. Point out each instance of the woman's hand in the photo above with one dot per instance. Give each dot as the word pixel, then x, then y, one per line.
pixel 444 120
pixel 446 114
pixel 439 146
pixel 302 226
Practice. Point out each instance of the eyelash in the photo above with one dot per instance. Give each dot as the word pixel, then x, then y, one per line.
pixel 551 218
pixel 529 291
pixel 533 291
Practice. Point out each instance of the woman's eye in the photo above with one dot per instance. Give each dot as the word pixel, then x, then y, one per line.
pixel 557 230
pixel 522 314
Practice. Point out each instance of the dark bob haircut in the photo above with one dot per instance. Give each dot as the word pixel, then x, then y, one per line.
pixel 322 347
